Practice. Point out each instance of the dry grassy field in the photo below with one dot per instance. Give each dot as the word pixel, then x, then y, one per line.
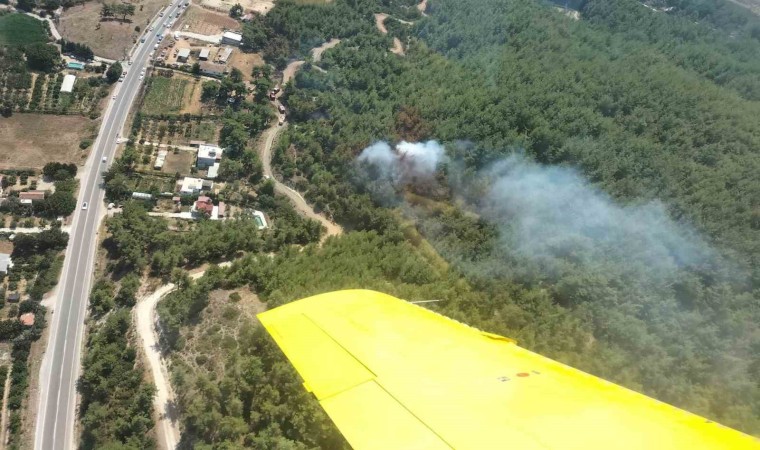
pixel 204 21
pixel 245 62
pixel 33 140
pixel 260 6
pixel 107 39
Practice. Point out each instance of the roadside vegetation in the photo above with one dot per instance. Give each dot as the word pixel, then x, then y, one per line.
pixel 37 259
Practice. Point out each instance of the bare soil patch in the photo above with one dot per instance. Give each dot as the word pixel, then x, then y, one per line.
pixel 33 140
pixel 205 21
pixel 179 162
pixel 259 6
pixel 245 62
pixel 191 101
pixel 110 39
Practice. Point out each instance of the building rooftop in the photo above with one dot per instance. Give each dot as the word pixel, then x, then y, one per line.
pixel 206 151
pixel 232 36
pixel 204 53
pixel 184 53
pixel 213 170
pixel 5 262
pixel 68 83
pixel 32 195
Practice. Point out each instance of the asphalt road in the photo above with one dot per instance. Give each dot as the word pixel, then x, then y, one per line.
pixel 56 413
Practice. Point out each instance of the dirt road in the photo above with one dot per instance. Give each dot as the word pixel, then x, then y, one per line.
pixel 164 401
pixel 268 137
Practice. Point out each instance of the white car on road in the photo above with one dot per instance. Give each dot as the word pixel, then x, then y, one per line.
pixel 84 205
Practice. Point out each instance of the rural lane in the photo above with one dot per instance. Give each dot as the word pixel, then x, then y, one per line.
pixel 147 328
pixel 57 411
pixel 268 137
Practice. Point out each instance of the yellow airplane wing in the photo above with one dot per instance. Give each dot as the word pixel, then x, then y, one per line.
pixel 393 375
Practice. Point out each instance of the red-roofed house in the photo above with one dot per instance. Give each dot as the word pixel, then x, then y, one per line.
pixel 204 205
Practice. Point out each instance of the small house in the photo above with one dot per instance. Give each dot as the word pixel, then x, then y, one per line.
pixel 14 297
pixel 30 197
pixel 204 54
pixel 160 159
pixel 208 155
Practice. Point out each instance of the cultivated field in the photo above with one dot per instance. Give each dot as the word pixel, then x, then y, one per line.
pixel 164 95
pixel 33 140
pixel 110 39
pixel 204 21
pixel 17 29
pixel 179 162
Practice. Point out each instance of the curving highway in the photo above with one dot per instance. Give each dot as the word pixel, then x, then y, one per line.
pixel 57 412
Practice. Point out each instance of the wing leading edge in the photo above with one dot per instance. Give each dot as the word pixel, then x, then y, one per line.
pixel 393 375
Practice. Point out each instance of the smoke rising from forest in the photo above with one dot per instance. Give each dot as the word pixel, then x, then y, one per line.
pixel 545 213
pixel 554 211
pixel 410 159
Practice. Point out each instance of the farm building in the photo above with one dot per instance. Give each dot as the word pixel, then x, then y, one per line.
pixel 29 197
pixel 203 55
pixel 231 38
pixel 68 83
pixel 213 70
pixel 189 185
pixel 183 55
pixel 224 56
pixel 5 262
pixel 208 155
pixel 141 196
pixel 160 159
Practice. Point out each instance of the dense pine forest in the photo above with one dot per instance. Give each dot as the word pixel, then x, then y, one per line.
pixel 599 198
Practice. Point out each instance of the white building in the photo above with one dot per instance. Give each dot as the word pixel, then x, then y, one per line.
pixel 204 54
pixel 231 38
pixel 68 83
pixel 189 185
pixel 5 262
pixel 160 159
pixel 208 155
pixel 213 171
pixel 142 195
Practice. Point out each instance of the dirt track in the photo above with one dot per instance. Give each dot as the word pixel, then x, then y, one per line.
pixel 268 137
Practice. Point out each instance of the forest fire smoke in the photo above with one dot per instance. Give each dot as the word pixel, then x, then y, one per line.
pixel 409 160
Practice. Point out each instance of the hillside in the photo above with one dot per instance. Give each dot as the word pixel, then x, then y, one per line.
pixel 594 191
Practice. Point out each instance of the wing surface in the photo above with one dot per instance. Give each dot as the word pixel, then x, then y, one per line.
pixel 393 375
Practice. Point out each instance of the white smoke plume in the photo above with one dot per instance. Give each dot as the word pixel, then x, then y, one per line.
pixel 409 159
pixel 553 211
